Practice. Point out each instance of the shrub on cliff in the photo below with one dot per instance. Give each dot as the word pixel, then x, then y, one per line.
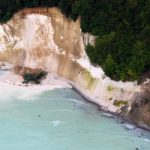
pixel 34 77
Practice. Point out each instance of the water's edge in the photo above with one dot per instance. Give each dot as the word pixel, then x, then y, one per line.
pixel 101 108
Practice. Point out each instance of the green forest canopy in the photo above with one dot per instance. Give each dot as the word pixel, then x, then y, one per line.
pixel 122 28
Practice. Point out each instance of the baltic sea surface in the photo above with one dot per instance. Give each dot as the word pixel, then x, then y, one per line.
pixel 61 119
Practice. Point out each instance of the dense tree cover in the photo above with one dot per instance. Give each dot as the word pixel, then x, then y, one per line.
pixel 122 48
pixel 122 28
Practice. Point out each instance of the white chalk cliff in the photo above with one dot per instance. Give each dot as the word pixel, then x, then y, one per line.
pixel 44 38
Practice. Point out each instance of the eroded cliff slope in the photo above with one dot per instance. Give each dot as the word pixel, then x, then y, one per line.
pixel 44 38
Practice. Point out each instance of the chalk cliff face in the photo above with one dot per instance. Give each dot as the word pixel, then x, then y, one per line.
pixel 33 35
pixel 44 38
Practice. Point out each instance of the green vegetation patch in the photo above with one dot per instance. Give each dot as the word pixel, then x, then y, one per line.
pixel 110 88
pixel 120 103
pixel 89 79
pixel 34 77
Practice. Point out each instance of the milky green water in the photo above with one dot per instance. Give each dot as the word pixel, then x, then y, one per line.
pixel 61 120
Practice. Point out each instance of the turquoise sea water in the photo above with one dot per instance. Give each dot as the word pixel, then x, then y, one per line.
pixel 61 120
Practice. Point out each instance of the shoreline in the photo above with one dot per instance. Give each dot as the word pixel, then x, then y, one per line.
pixel 54 82
pixel 102 109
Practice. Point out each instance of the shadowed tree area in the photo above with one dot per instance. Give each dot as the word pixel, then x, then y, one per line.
pixel 122 28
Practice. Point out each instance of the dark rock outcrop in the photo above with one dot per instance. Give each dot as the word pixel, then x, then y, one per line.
pixel 140 108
